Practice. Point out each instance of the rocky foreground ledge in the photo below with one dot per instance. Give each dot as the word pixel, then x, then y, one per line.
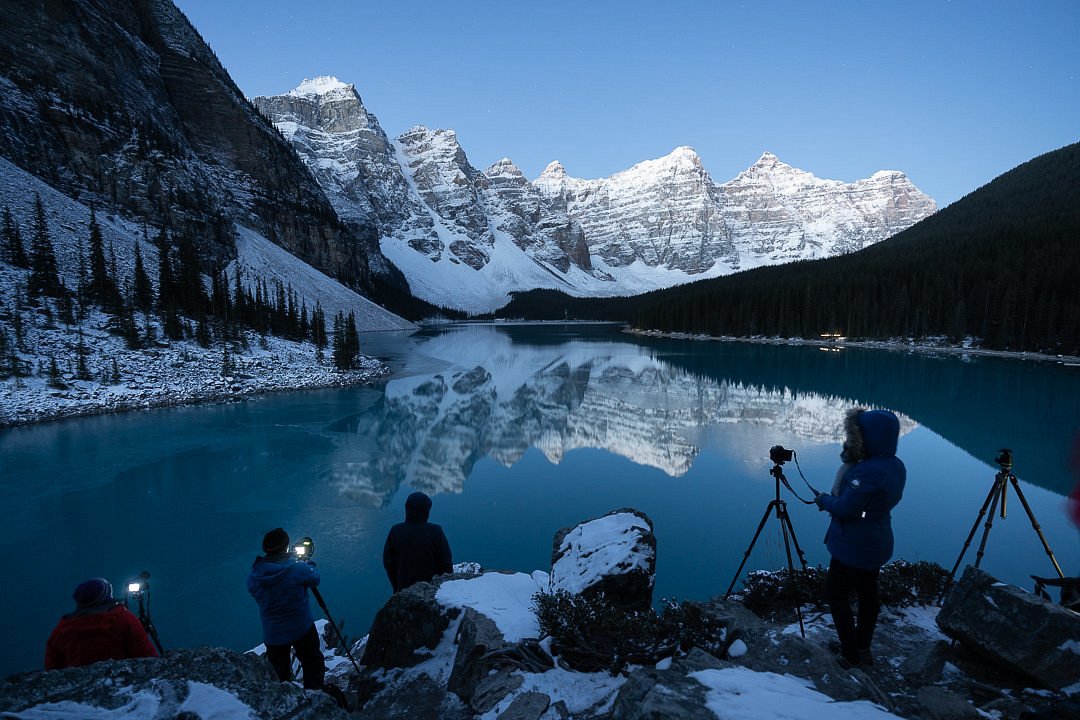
pixel 485 645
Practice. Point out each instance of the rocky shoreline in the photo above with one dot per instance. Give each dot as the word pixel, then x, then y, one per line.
pixel 478 645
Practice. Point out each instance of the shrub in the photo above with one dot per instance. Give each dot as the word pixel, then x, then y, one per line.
pixel 590 634
pixel 771 595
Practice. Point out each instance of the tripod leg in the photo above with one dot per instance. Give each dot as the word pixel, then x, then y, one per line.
pixel 975 526
pixel 1035 524
pixel 1000 487
pixel 787 530
pixel 791 529
pixel 746 555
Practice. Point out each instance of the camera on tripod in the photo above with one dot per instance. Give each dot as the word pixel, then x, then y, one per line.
pixel 139 589
pixel 304 549
pixel 1005 459
pixel 780 455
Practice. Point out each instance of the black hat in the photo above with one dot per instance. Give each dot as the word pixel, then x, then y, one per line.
pixel 92 592
pixel 275 541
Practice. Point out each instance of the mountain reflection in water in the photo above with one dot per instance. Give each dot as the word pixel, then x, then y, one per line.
pixel 499 397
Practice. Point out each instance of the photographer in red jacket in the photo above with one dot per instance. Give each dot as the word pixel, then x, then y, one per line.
pixel 101 628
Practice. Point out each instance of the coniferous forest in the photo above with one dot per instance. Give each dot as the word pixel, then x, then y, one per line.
pixel 1000 266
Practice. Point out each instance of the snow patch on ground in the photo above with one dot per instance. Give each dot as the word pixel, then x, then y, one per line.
pixel 748 695
pixel 504 598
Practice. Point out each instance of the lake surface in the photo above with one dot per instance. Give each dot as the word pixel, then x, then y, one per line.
pixel 517 431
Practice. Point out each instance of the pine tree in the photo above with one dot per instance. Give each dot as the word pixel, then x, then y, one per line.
pixel 13 246
pixel 143 291
pixel 82 370
pixel 101 287
pixel 44 275
pixel 55 379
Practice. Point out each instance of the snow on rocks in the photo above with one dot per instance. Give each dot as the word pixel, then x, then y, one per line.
pixel 614 555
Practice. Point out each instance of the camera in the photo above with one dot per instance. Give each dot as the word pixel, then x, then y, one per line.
pixel 1005 458
pixel 779 455
pixel 140 584
pixel 304 549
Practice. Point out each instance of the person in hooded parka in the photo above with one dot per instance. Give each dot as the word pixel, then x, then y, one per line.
pixel 868 485
pixel 416 550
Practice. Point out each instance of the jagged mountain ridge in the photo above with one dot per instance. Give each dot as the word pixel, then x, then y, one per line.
pixel 465 238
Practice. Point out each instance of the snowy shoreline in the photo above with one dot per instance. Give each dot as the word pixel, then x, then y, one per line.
pixel 180 375
pixel 891 345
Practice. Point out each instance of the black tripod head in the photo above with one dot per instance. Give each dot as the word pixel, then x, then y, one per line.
pixel 1005 460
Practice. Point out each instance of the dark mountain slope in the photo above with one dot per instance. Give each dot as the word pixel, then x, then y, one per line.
pixel 120 102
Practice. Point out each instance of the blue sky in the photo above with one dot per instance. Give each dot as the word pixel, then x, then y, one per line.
pixel 951 93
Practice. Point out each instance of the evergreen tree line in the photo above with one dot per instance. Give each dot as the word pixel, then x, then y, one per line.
pixel 1000 265
pixel 181 302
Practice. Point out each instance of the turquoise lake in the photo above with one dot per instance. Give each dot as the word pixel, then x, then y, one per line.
pixel 516 431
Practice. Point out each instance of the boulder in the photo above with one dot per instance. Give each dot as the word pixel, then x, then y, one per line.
pixel 651 694
pixel 195 682
pixel 1014 629
pixel 476 637
pixel 408 627
pixel 526 706
pixel 937 703
pixel 419 697
pixel 614 555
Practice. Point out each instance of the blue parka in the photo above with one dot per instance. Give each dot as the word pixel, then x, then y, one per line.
pixel 279 585
pixel 860 534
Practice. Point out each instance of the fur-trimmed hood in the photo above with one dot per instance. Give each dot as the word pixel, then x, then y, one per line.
pixel 870 433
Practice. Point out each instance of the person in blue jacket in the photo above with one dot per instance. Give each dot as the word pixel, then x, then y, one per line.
pixel 279 583
pixel 868 486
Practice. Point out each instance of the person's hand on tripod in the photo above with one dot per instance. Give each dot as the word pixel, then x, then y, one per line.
pixel 817 500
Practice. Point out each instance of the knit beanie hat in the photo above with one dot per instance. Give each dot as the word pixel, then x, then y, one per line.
pixel 92 592
pixel 275 541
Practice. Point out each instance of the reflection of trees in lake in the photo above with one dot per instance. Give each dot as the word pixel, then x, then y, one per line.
pixel 429 431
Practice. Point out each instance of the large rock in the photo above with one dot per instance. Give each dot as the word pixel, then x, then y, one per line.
pixel 651 694
pixel 477 637
pixel 408 627
pixel 614 555
pixel 189 683
pixel 1021 632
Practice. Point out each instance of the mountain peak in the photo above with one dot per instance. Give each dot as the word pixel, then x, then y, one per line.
pixel 554 169
pixel 320 85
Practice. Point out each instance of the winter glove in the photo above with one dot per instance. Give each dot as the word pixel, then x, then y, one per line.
pixel 817 501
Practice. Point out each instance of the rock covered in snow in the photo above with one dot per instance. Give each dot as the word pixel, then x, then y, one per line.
pixel 202 682
pixel 614 555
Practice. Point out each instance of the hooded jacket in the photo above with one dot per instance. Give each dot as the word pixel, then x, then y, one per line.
pixel 860 533
pixel 416 550
pixel 279 585
pixel 108 631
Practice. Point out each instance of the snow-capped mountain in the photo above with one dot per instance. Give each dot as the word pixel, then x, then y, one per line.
pixel 466 238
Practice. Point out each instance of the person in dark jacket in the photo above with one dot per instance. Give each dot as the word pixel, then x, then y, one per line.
pixel 868 486
pixel 101 628
pixel 279 583
pixel 416 550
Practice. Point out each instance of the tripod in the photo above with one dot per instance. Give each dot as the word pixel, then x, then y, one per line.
pixel 999 492
pixel 787 530
pixel 337 632
pixel 140 588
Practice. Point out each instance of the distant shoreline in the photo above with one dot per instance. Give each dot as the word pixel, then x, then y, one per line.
pixel 894 346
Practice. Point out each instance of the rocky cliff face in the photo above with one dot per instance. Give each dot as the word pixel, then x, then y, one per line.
pixel 121 103
pixel 466 238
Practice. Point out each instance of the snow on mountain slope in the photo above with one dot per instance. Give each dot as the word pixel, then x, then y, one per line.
pixel 260 258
